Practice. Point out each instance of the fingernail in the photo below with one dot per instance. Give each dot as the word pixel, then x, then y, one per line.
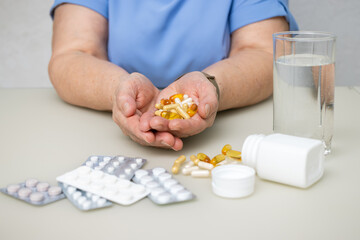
pixel 207 110
pixel 165 144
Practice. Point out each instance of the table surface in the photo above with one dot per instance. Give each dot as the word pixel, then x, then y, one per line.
pixel 43 137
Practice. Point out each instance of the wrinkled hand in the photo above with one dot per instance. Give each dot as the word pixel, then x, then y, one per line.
pixel 134 96
pixel 203 93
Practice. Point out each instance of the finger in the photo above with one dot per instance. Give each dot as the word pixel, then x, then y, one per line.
pixel 208 103
pixel 126 103
pixel 145 121
pixel 188 127
pixel 160 124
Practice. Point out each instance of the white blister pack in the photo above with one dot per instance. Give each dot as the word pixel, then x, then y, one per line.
pixel 83 200
pixel 34 192
pixel 120 166
pixel 110 187
pixel 164 189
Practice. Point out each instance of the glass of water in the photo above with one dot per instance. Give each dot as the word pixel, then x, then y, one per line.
pixel 304 78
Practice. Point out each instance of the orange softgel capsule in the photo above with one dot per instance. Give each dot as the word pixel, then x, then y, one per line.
pixel 165 102
pixel 218 158
pixel 178 95
pixel 203 157
pixel 192 110
pixel 226 148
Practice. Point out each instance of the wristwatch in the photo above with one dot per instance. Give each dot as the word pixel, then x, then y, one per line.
pixel 211 79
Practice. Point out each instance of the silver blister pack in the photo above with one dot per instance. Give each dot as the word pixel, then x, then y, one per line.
pixel 34 192
pixel 164 189
pixel 83 200
pixel 120 166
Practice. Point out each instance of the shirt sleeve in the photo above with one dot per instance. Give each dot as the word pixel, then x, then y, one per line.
pixel 99 6
pixel 244 12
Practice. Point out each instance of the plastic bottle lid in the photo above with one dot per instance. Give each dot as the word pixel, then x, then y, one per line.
pixel 233 181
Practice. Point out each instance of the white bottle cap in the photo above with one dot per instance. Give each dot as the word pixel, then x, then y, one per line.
pixel 233 181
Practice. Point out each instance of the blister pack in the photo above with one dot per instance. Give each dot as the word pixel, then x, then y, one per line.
pixel 120 166
pixel 110 187
pixel 34 192
pixel 164 189
pixel 83 200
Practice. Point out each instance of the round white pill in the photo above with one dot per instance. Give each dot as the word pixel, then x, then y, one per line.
pixel 102 164
pixel 11 189
pixel 24 192
pixel 94 198
pixel 76 195
pixel 152 184
pixel 164 176
pixel 169 183
pixel 94 159
pixel 183 195
pixel 164 197
pixel 106 159
pixel 89 164
pixel 37 197
pixel 139 161
pixel 122 183
pixel 96 174
pixel 83 170
pixel 127 171
pixel 158 171
pixel 145 179
pixel 157 191
pixel 81 200
pixel 140 173
pixel 31 182
pixel 101 202
pixel 86 205
pixel 133 165
pixel 138 189
pixel 42 187
pixel 120 159
pixel 97 186
pixel 116 163
pixel 70 190
pixel 54 191
pixel 176 188
pixel 88 194
pixel 110 169
pixel 110 179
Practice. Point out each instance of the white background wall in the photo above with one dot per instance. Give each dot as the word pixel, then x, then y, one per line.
pixel 25 38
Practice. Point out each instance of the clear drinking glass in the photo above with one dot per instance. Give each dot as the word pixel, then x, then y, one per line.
pixel 304 78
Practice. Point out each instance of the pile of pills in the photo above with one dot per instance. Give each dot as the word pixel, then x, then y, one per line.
pixel 164 189
pixel 201 165
pixel 178 106
pixel 34 192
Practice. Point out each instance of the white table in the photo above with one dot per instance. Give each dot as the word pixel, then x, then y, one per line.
pixel 43 137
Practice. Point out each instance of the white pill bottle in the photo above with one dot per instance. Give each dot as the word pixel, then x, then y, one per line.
pixel 285 159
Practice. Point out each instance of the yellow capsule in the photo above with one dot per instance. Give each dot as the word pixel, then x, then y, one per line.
pixel 159 106
pixel 158 113
pixel 181 159
pixel 178 95
pixel 233 154
pixel 226 148
pixel 218 158
pixel 174 116
pixel 170 106
pixel 182 112
pixel 165 102
pixel 203 157
pixel 175 169
pixel 165 114
pixel 194 159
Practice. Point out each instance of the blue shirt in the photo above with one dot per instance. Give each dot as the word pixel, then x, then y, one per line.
pixel 163 39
